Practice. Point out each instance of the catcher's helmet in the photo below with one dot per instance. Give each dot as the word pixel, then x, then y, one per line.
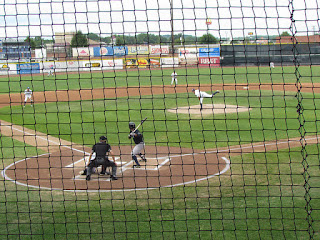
pixel 104 138
pixel 132 125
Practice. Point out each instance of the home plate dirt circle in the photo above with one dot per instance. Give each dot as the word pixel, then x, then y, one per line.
pixel 165 167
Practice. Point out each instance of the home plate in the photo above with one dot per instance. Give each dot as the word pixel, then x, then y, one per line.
pixel 81 162
pixel 153 164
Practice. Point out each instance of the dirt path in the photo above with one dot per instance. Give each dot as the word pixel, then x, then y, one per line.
pixel 88 94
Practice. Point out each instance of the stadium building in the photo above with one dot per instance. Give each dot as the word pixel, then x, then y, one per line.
pixel 13 49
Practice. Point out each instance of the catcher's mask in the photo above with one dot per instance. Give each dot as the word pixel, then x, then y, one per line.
pixel 103 138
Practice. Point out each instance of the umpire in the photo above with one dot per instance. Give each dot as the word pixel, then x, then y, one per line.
pixel 101 149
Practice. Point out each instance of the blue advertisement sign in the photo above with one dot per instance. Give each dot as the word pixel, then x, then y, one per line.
pixel 102 51
pixel 27 68
pixel 209 52
pixel 110 51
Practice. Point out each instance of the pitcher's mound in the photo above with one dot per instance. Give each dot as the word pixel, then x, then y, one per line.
pixel 209 109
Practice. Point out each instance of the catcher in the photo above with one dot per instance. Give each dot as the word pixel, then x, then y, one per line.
pixel 139 147
pixel 101 149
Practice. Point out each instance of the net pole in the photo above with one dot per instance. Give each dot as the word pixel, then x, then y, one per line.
pixel 302 120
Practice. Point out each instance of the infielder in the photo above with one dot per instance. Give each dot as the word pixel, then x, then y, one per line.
pixel 174 78
pixel 201 95
pixel 139 147
pixel 27 95
pixel 51 69
pixel 101 149
pixel 271 64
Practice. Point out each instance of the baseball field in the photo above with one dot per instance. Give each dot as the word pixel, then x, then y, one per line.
pixel 245 167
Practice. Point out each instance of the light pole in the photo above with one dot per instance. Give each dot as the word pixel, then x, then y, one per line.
pixel 172 29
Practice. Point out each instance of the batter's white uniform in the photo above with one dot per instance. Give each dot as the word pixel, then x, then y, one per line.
pixel 138 148
pixel 174 78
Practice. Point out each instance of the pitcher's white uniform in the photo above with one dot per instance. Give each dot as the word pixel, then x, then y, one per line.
pixel 201 95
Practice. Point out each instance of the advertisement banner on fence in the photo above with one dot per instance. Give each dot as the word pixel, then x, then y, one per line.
pixel 54 65
pixel 188 52
pixel 120 50
pixel 110 51
pixel 112 64
pixel 188 61
pixel 102 51
pixel 72 65
pixel 209 61
pixel 209 52
pixel 138 50
pixel 28 68
pixel 154 62
pixel 5 68
pixel 98 65
pixel 142 63
pixel 130 62
pixel 81 52
pixel 136 62
pixel 169 62
pixel 91 65
pixel 157 49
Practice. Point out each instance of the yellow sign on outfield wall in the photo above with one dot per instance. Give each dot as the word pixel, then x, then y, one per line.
pixel 136 62
pixel 138 50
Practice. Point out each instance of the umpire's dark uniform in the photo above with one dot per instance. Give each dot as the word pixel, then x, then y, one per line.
pixel 101 149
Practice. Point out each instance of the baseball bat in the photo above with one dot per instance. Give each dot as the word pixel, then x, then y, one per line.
pixel 142 121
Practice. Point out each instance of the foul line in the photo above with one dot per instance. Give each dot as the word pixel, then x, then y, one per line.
pixel 43 138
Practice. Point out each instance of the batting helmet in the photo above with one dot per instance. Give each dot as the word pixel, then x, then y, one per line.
pixel 104 138
pixel 132 125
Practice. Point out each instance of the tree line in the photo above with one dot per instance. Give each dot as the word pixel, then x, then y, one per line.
pixel 82 40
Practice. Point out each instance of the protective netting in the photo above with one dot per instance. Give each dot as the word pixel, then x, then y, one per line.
pixel 207 112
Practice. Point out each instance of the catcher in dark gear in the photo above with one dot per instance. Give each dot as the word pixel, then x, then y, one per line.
pixel 138 140
pixel 102 150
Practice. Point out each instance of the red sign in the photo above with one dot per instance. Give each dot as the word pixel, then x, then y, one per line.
pixel 159 50
pixel 209 61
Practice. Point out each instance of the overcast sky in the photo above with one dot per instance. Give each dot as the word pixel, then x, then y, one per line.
pixel 230 18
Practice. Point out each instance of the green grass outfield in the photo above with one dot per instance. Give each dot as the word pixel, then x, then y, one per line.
pixel 239 75
pixel 262 196
pixel 82 122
